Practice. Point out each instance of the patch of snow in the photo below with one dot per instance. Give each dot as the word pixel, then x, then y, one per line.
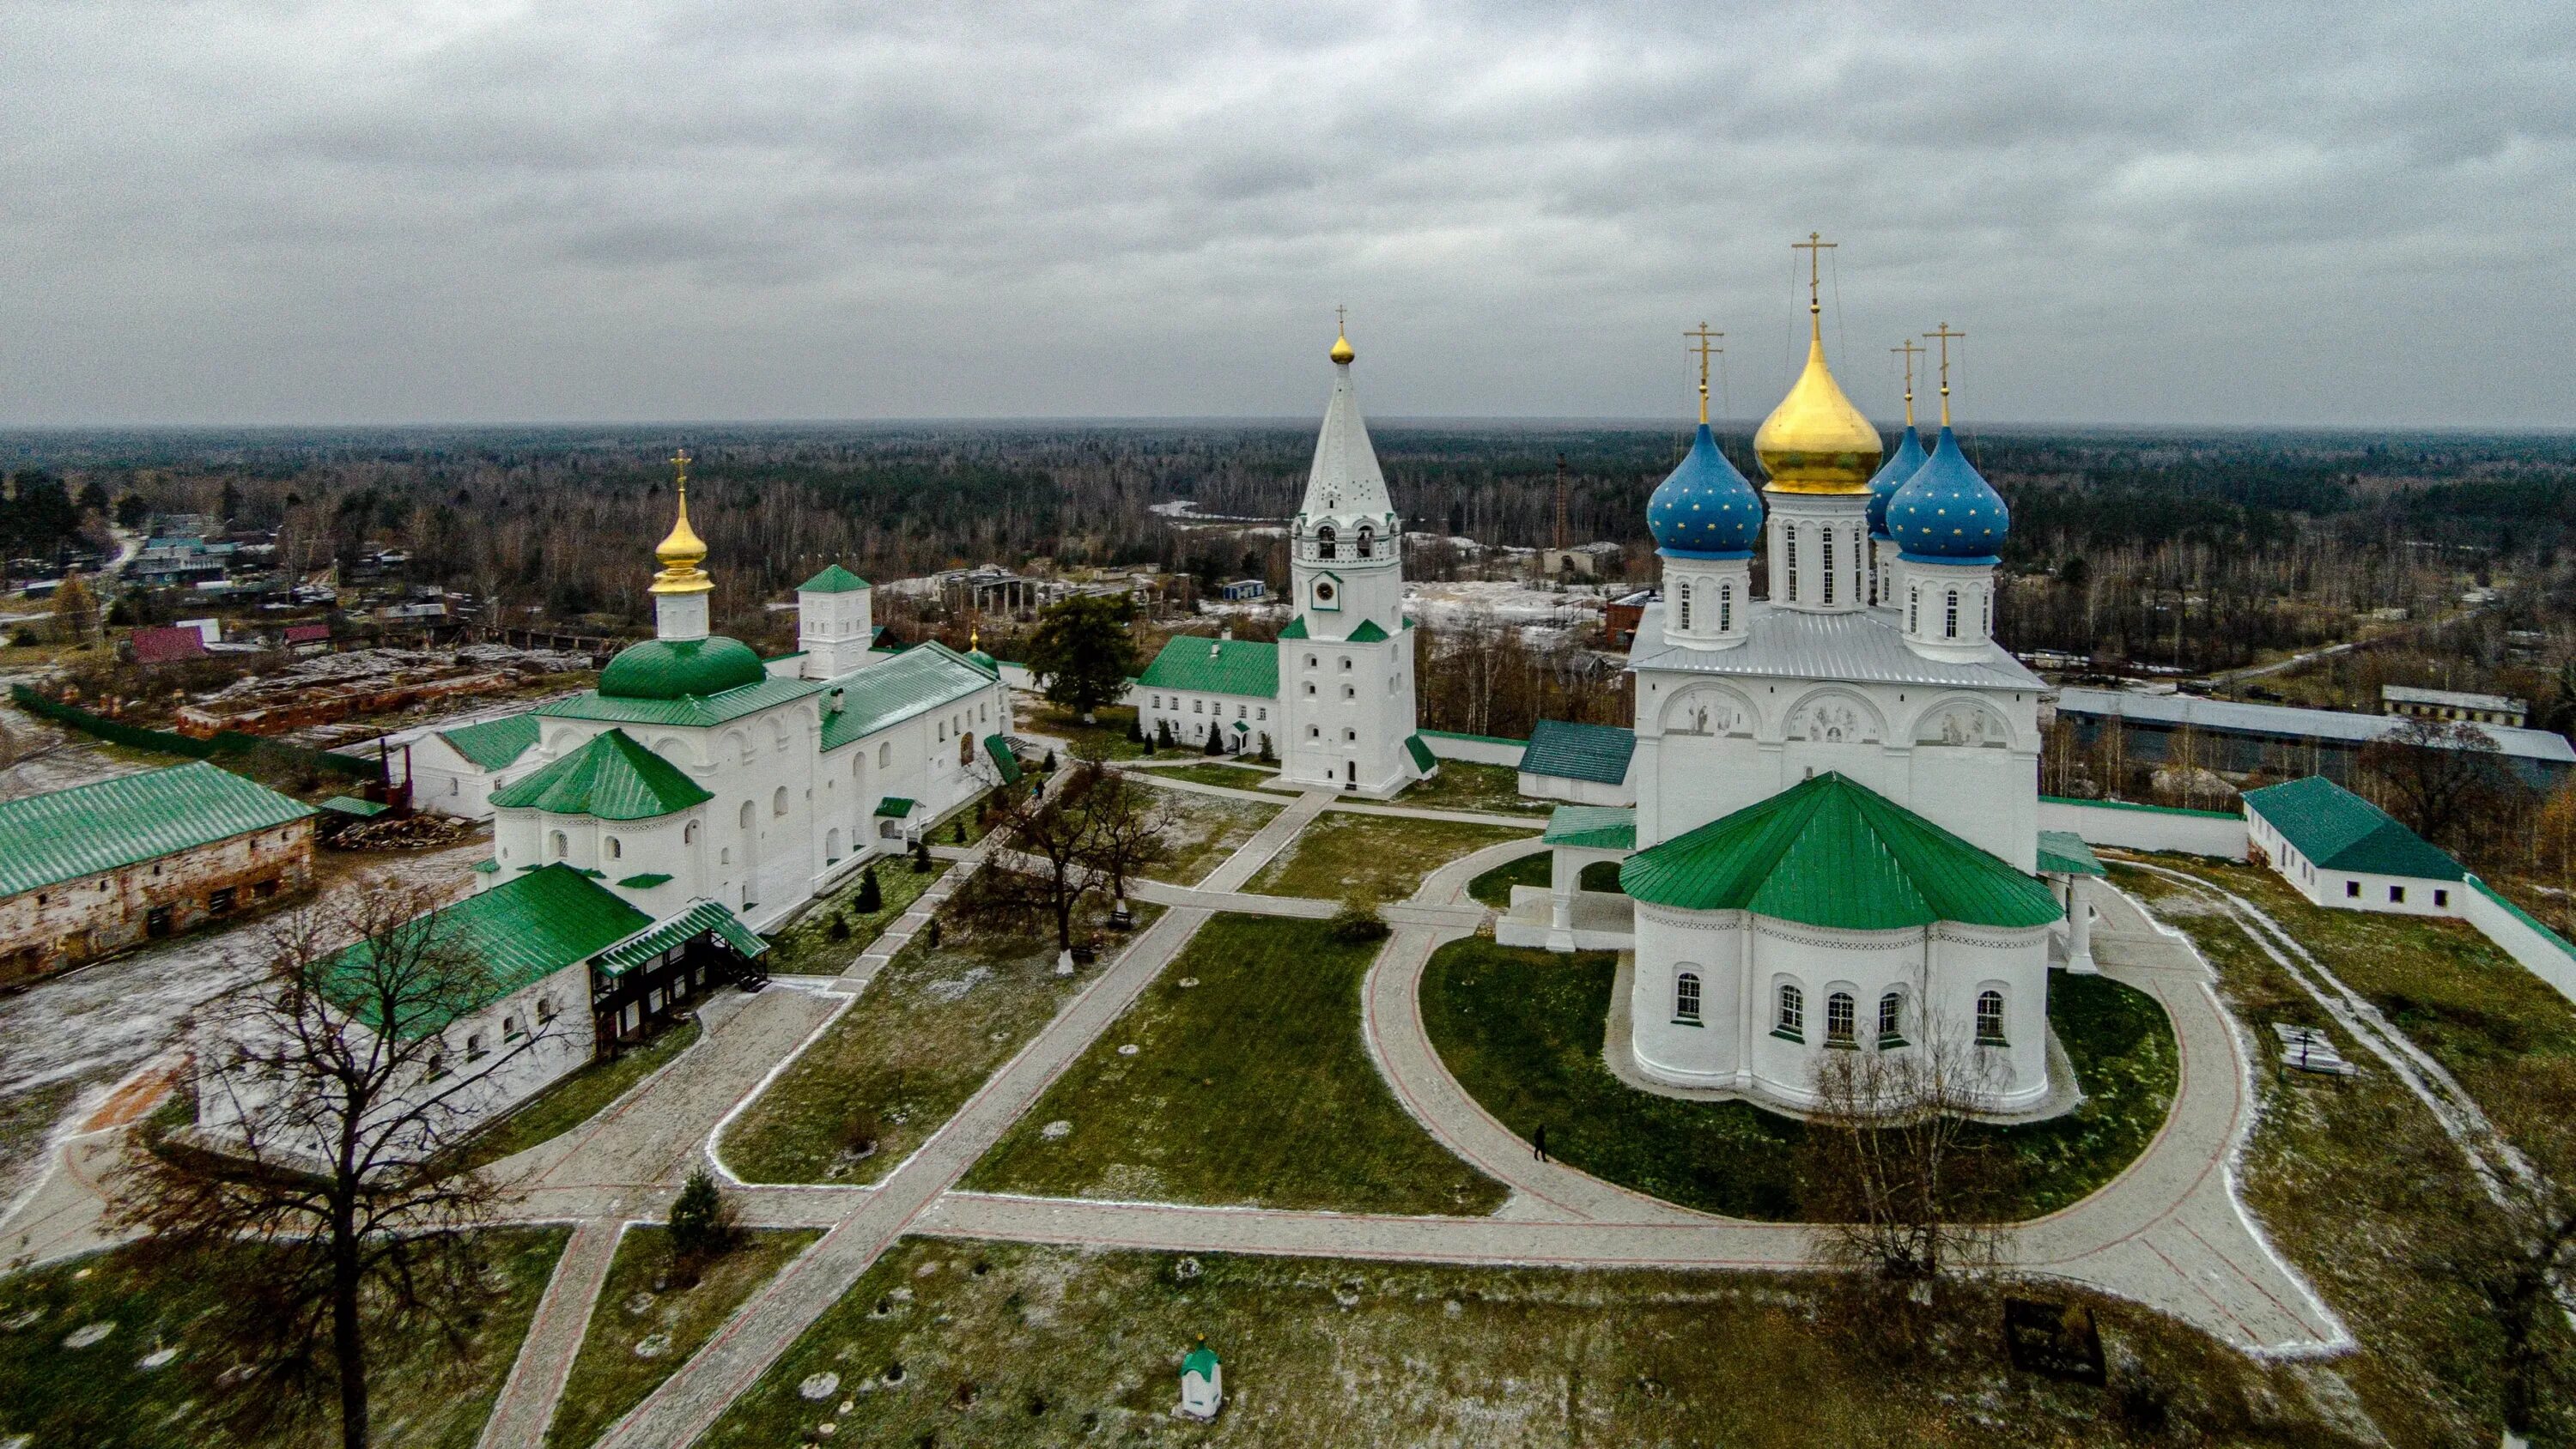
pixel 88 1334
pixel 156 1358
pixel 953 988
pixel 1056 1131
pixel 654 1345
pixel 820 1386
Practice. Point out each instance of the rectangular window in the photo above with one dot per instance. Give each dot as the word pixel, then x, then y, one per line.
pixel 1829 565
pixel 2397 895
pixel 220 903
pixel 2441 898
pixel 2352 890
pixel 1686 997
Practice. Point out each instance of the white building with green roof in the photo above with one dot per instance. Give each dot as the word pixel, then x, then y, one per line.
pixel 697 771
pixel 1334 697
pixel 2339 850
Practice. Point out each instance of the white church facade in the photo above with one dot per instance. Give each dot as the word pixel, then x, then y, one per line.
pixel 1333 699
pixel 1834 844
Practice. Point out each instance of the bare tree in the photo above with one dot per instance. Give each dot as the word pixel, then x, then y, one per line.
pixel 1895 1166
pixel 333 1117
pixel 2439 776
pixel 1040 870
pixel 1131 826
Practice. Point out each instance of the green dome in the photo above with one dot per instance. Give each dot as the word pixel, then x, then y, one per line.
pixel 984 661
pixel 670 668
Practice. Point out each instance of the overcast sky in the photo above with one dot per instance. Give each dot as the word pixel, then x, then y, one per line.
pixel 384 212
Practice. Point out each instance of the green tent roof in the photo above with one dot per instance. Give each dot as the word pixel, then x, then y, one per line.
pixel 1296 629
pixel 67 834
pixel 612 778
pixel 521 932
pixel 927 676
pixel 834 579
pixel 1201 1361
pixel 2338 830
pixel 2063 852
pixel 1592 827
pixel 1368 633
pixel 494 743
pixel 1570 751
pixel 1829 852
pixel 1200 665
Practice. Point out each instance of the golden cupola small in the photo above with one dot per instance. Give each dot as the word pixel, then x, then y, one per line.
pixel 1815 441
pixel 682 551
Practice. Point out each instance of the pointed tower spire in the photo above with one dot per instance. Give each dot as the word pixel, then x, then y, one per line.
pixel 1344 484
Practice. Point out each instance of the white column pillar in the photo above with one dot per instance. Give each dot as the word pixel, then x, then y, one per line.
pixel 2079 926
pixel 1562 874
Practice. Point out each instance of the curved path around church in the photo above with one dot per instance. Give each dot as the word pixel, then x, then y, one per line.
pixel 2168 1232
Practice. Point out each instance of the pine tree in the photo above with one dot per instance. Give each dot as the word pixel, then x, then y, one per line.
pixel 871 895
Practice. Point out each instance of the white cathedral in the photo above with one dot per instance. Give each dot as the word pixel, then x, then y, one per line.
pixel 1334 698
pixel 1834 844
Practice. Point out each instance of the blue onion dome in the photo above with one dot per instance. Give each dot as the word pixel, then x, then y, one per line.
pixel 1883 484
pixel 1947 512
pixel 1706 509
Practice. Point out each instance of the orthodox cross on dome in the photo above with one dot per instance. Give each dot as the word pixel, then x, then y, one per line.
pixel 1946 337
pixel 1911 352
pixel 1705 351
pixel 1815 246
pixel 680 461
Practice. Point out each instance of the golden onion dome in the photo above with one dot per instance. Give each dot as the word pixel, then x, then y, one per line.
pixel 1342 350
pixel 681 551
pixel 1815 441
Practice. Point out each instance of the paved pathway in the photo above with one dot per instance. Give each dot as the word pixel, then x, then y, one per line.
pixel 528 1396
pixel 1531 823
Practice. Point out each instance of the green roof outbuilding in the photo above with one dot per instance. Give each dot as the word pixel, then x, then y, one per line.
pixel 1196 664
pixel 67 834
pixel 1831 852
pixel 495 743
pixel 521 932
pixel 2338 830
pixel 1570 751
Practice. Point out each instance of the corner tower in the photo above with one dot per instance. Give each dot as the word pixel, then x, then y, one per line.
pixel 1345 660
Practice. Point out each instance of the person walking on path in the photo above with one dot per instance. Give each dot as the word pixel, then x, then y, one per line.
pixel 1538 1143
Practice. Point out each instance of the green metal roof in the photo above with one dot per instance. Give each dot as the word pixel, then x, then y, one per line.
pixel 521 932
pixel 1368 633
pixel 2338 830
pixel 667 669
pixel 1201 1361
pixel 689 711
pixel 1830 852
pixel 1201 665
pixel 614 777
pixel 928 676
pixel 701 918
pixel 1479 739
pixel 1296 629
pixel 2134 805
pixel 2063 852
pixel 895 807
pixel 1423 759
pixel 1592 827
pixel 834 579
pixel 352 805
pixel 645 882
pixel 494 743
pixel 1003 759
pixel 1579 751
pixel 67 834
pixel 486 867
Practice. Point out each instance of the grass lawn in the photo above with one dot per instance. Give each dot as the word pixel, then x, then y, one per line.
pixel 1384 855
pixel 644 1327
pixel 2354 1182
pixel 1494 887
pixel 807 947
pixel 1486 789
pixel 1007 1345
pixel 1208 831
pixel 1522 1030
pixel 581 1096
pixel 926 1033
pixel 1251 1086
pixel 1108 737
pixel 1210 772
pixel 116 1390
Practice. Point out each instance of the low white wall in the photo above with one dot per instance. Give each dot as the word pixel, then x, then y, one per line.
pixel 2146 827
pixel 2550 958
pixel 1475 749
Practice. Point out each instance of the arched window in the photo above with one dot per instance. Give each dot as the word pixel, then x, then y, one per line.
pixel 1686 997
pixel 1891 1019
pixel 745 815
pixel 1364 541
pixel 562 844
pixel 1913 610
pixel 1725 608
pixel 831 846
pixel 616 848
pixel 689 833
pixel 1829 566
pixel 1990 1018
pixel 1346 662
pixel 1792 1020
pixel 1324 542
pixel 1681 605
pixel 1350 692
pixel 1950 615
pixel 1789 557
pixel 1838 1019
pixel 1310 661
pixel 1310 687
pixel 858 764
pixel 885 754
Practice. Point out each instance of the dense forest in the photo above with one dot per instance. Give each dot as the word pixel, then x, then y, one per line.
pixel 2193 551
